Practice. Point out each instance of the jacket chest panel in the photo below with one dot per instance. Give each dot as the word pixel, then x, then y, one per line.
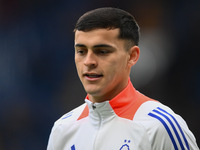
pixel 112 135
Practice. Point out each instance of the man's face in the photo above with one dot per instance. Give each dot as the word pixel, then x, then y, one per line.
pixel 102 63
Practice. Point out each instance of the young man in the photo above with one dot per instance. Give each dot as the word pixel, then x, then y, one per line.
pixel 115 116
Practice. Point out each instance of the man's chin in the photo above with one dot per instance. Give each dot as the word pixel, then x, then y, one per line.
pixel 94 95
pixel 92 89
pixel 92 92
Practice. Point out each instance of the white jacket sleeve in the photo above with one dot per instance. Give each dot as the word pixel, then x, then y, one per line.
pixel 170 132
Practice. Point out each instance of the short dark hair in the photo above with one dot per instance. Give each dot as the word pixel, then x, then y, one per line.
pixel 110 18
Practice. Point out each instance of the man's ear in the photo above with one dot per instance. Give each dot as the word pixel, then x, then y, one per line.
pixel 134 54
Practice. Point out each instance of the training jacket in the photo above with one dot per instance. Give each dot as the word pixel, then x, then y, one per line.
pixel 130 121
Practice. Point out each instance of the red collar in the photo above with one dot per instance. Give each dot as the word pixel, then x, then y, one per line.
pixel 125 104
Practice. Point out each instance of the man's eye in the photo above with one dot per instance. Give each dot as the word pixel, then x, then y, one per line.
pixel 80 51
pixel 103 52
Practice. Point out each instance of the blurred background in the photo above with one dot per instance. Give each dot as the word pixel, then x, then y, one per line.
pixel 38 79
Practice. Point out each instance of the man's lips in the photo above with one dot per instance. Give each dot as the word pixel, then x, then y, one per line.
pixel 92 76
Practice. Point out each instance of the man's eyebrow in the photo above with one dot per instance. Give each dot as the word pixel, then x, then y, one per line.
pixel 102 45
pixel 95 46
pixel 79 45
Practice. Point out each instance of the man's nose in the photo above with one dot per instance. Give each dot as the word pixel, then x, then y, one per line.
pixel 90 60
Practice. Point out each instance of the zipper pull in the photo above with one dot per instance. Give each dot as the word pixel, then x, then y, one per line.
pixel 93 106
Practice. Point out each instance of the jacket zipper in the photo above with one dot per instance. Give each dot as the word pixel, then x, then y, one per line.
pixel 99 126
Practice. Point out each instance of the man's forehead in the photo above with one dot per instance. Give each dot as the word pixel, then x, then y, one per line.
pixel 99 31
pixel 97 35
